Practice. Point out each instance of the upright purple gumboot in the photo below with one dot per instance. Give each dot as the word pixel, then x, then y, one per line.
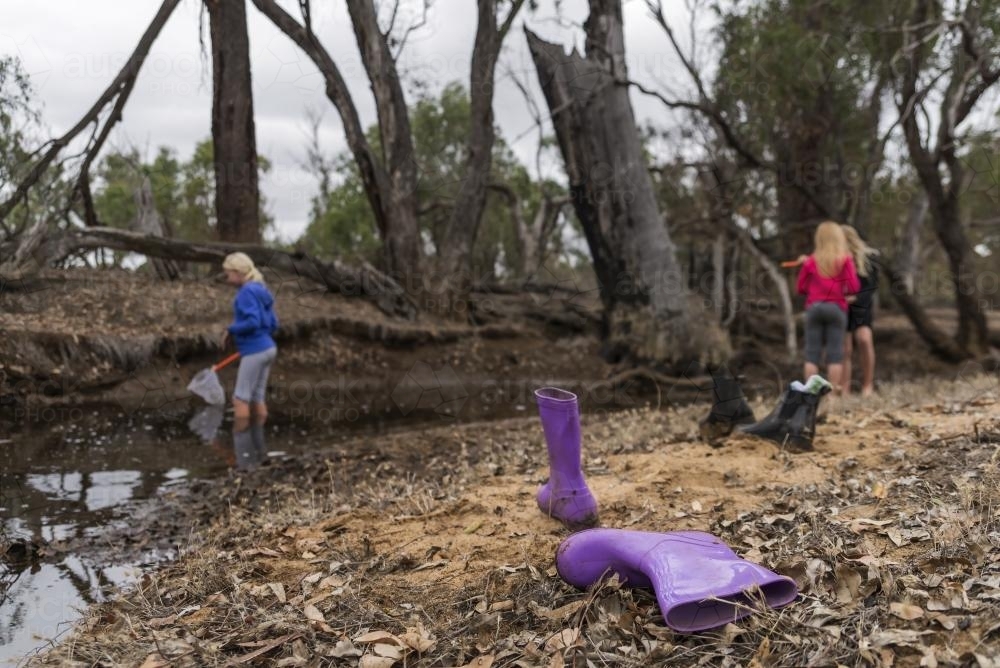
pixel 699 581
pixel 565 496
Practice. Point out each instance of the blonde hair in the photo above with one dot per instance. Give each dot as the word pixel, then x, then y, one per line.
pixel 859 250
pixel 831 248
pixel 243 265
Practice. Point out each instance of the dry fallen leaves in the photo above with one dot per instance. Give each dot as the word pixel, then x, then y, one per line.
pixel 558 614
pixel 484 661
pixel 312 613
pixel 906 610
pixel 278 589
pixel 155 661
pixel 562 640
pixel 372 661
pixel 378 636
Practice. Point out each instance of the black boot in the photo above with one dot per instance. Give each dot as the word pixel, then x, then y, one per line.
pixel 729 410
pixel 792 423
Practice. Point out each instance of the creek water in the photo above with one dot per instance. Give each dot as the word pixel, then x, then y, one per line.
pixel 66 478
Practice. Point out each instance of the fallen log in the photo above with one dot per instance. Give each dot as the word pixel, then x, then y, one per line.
pixel 350 280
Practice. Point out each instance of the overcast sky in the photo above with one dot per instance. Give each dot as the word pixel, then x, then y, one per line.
pixel 73 49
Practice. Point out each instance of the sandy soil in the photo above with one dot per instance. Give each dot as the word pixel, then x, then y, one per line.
pixel 425 548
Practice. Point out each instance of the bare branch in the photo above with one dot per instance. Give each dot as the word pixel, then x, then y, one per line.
pixel 416 25
pixel 655 8
pixel 372 173
pixel 305 6
pixel 119 87
pixel 749 158
pixel 392 19
pixel 509 21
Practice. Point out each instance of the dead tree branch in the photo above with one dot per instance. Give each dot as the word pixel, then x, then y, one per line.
pixel 118 90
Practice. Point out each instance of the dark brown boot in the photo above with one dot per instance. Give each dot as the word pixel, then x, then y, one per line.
pixel 729 410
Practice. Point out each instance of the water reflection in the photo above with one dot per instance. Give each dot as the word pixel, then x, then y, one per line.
pixel 40 600
pixel 207 422
pixel 61 485
pixel 249 448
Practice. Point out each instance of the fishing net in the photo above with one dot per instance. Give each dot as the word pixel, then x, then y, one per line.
pixel 207 386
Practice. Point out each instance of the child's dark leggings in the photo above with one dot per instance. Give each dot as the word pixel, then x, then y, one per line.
pixel 825 325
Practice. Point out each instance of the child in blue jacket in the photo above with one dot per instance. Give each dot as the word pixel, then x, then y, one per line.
pixel 254 323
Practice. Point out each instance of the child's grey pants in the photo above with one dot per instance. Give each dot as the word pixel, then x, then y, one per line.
pixel 251 379
pixel 825 326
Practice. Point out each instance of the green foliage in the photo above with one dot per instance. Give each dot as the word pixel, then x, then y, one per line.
pixel 341 222
pixel 16 111
pixel 19 122
pixel 796 73
pixel 184 192
pixel 981 193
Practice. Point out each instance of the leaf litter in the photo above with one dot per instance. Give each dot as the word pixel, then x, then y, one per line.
pixel 360 555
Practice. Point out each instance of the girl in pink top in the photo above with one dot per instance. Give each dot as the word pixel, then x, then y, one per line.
pixel 826 279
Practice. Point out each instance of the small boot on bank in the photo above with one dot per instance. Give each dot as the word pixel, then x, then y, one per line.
pixel 792 423
pixel 565 496
pixel 729 410
pixel 699 582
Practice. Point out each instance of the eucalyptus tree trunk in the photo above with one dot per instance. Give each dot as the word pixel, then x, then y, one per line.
pixel 234 141
pixel 649 315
